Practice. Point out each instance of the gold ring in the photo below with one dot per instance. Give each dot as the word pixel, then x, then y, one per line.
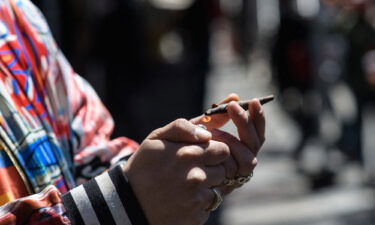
pixel 229 181
pixel 243 179
pixel 218 199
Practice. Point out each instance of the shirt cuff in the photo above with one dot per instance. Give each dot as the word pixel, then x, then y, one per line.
pixel 106 199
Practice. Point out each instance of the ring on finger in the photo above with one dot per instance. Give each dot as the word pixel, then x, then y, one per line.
pixel 202 126
pixel 229 181
pixel 243 179
pixel 218 199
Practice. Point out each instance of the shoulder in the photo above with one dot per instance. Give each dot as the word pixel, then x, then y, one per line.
pixel 32 14
pixel 36 21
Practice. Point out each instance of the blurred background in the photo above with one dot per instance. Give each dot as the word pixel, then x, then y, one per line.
pixel 153 61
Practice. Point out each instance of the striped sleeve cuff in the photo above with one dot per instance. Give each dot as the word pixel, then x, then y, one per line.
pixel 106 199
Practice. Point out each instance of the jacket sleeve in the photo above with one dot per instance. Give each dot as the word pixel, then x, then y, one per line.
pixel 92 126
pixel 106 199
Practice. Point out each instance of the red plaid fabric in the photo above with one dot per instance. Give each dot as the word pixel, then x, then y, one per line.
pixel 53 126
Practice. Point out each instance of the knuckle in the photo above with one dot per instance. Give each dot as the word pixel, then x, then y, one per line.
pixel 217 153
pixel 179 124
pixel 223 150
pixel 196 177
pixel 189 152
pixel 155 134
pixel 151 145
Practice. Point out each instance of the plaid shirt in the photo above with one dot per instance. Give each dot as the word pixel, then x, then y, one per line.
pixel 53 126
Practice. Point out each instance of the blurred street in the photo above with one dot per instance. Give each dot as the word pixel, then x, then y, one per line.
pixel 277 194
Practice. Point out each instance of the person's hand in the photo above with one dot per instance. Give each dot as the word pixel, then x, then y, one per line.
pixel 173 172
pixel 243 150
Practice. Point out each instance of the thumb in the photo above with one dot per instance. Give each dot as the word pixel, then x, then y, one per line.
pixel 181 130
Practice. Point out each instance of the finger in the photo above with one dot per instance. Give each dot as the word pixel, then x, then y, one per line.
pixel 257 116
pixel 230 167
pixel 201 193
pixel 215 153
pixel 215 175
pixel 200 199
pixel 181 130
pixel 218 120
pixel 243 157
pixel 245 127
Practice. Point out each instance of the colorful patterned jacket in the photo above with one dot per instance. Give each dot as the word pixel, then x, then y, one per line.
pixel 53 131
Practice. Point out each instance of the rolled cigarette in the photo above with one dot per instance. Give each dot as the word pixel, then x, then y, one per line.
pixel 222 108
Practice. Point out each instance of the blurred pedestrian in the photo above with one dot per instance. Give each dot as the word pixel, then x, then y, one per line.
pixel 292 60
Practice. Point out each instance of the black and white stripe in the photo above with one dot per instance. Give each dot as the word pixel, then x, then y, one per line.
pixel 106 199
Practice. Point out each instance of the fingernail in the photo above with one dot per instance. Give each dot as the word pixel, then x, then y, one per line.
pixel 201 133
pixel 261 110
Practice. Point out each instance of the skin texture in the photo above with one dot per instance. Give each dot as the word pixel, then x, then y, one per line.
pixel 176 165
